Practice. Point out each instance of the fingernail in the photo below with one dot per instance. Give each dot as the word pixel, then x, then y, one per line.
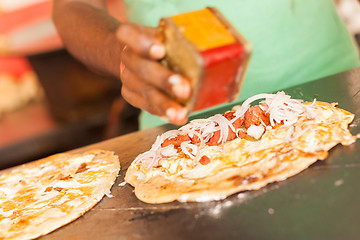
pixel 179 87
pixel 157 51
pixel 176 115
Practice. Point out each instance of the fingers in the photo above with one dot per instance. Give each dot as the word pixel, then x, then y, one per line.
pixel 142 40
pixel 151 99
pixel 153 73
pixel 147 84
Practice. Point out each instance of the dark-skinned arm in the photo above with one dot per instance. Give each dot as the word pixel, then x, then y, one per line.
pixel 98 40
pixel 89 34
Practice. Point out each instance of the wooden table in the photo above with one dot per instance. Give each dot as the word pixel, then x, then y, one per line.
pixel 322 202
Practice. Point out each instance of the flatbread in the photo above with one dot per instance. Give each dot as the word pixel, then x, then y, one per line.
pixel 242 163
pixel 39 197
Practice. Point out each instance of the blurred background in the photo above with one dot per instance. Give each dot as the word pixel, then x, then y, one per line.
pixel 49 102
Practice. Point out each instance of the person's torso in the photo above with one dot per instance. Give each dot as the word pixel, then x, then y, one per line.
pixel 293 41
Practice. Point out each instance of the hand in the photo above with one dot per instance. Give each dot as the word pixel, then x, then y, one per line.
pixel 147 84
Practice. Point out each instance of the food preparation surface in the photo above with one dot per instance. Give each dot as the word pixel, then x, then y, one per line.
pixel 322 202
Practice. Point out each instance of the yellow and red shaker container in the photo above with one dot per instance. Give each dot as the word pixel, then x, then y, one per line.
pixel 204 47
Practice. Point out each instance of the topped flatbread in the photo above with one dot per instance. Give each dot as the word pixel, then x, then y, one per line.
pixel 39 197
pixel 243 149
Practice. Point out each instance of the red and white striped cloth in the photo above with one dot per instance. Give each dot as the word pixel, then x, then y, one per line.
pixel 26 27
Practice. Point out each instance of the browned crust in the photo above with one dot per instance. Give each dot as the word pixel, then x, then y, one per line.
pixel 253 171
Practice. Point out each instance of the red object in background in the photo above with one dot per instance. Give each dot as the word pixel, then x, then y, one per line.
pixel 28 30
pixel 23 17
pixel 14 66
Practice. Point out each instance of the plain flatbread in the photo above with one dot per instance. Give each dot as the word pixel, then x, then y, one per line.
pixel 39 197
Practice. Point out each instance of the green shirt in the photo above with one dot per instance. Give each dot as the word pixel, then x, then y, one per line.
pixel 293 41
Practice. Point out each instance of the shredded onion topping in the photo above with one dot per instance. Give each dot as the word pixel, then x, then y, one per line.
pixel 280 107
